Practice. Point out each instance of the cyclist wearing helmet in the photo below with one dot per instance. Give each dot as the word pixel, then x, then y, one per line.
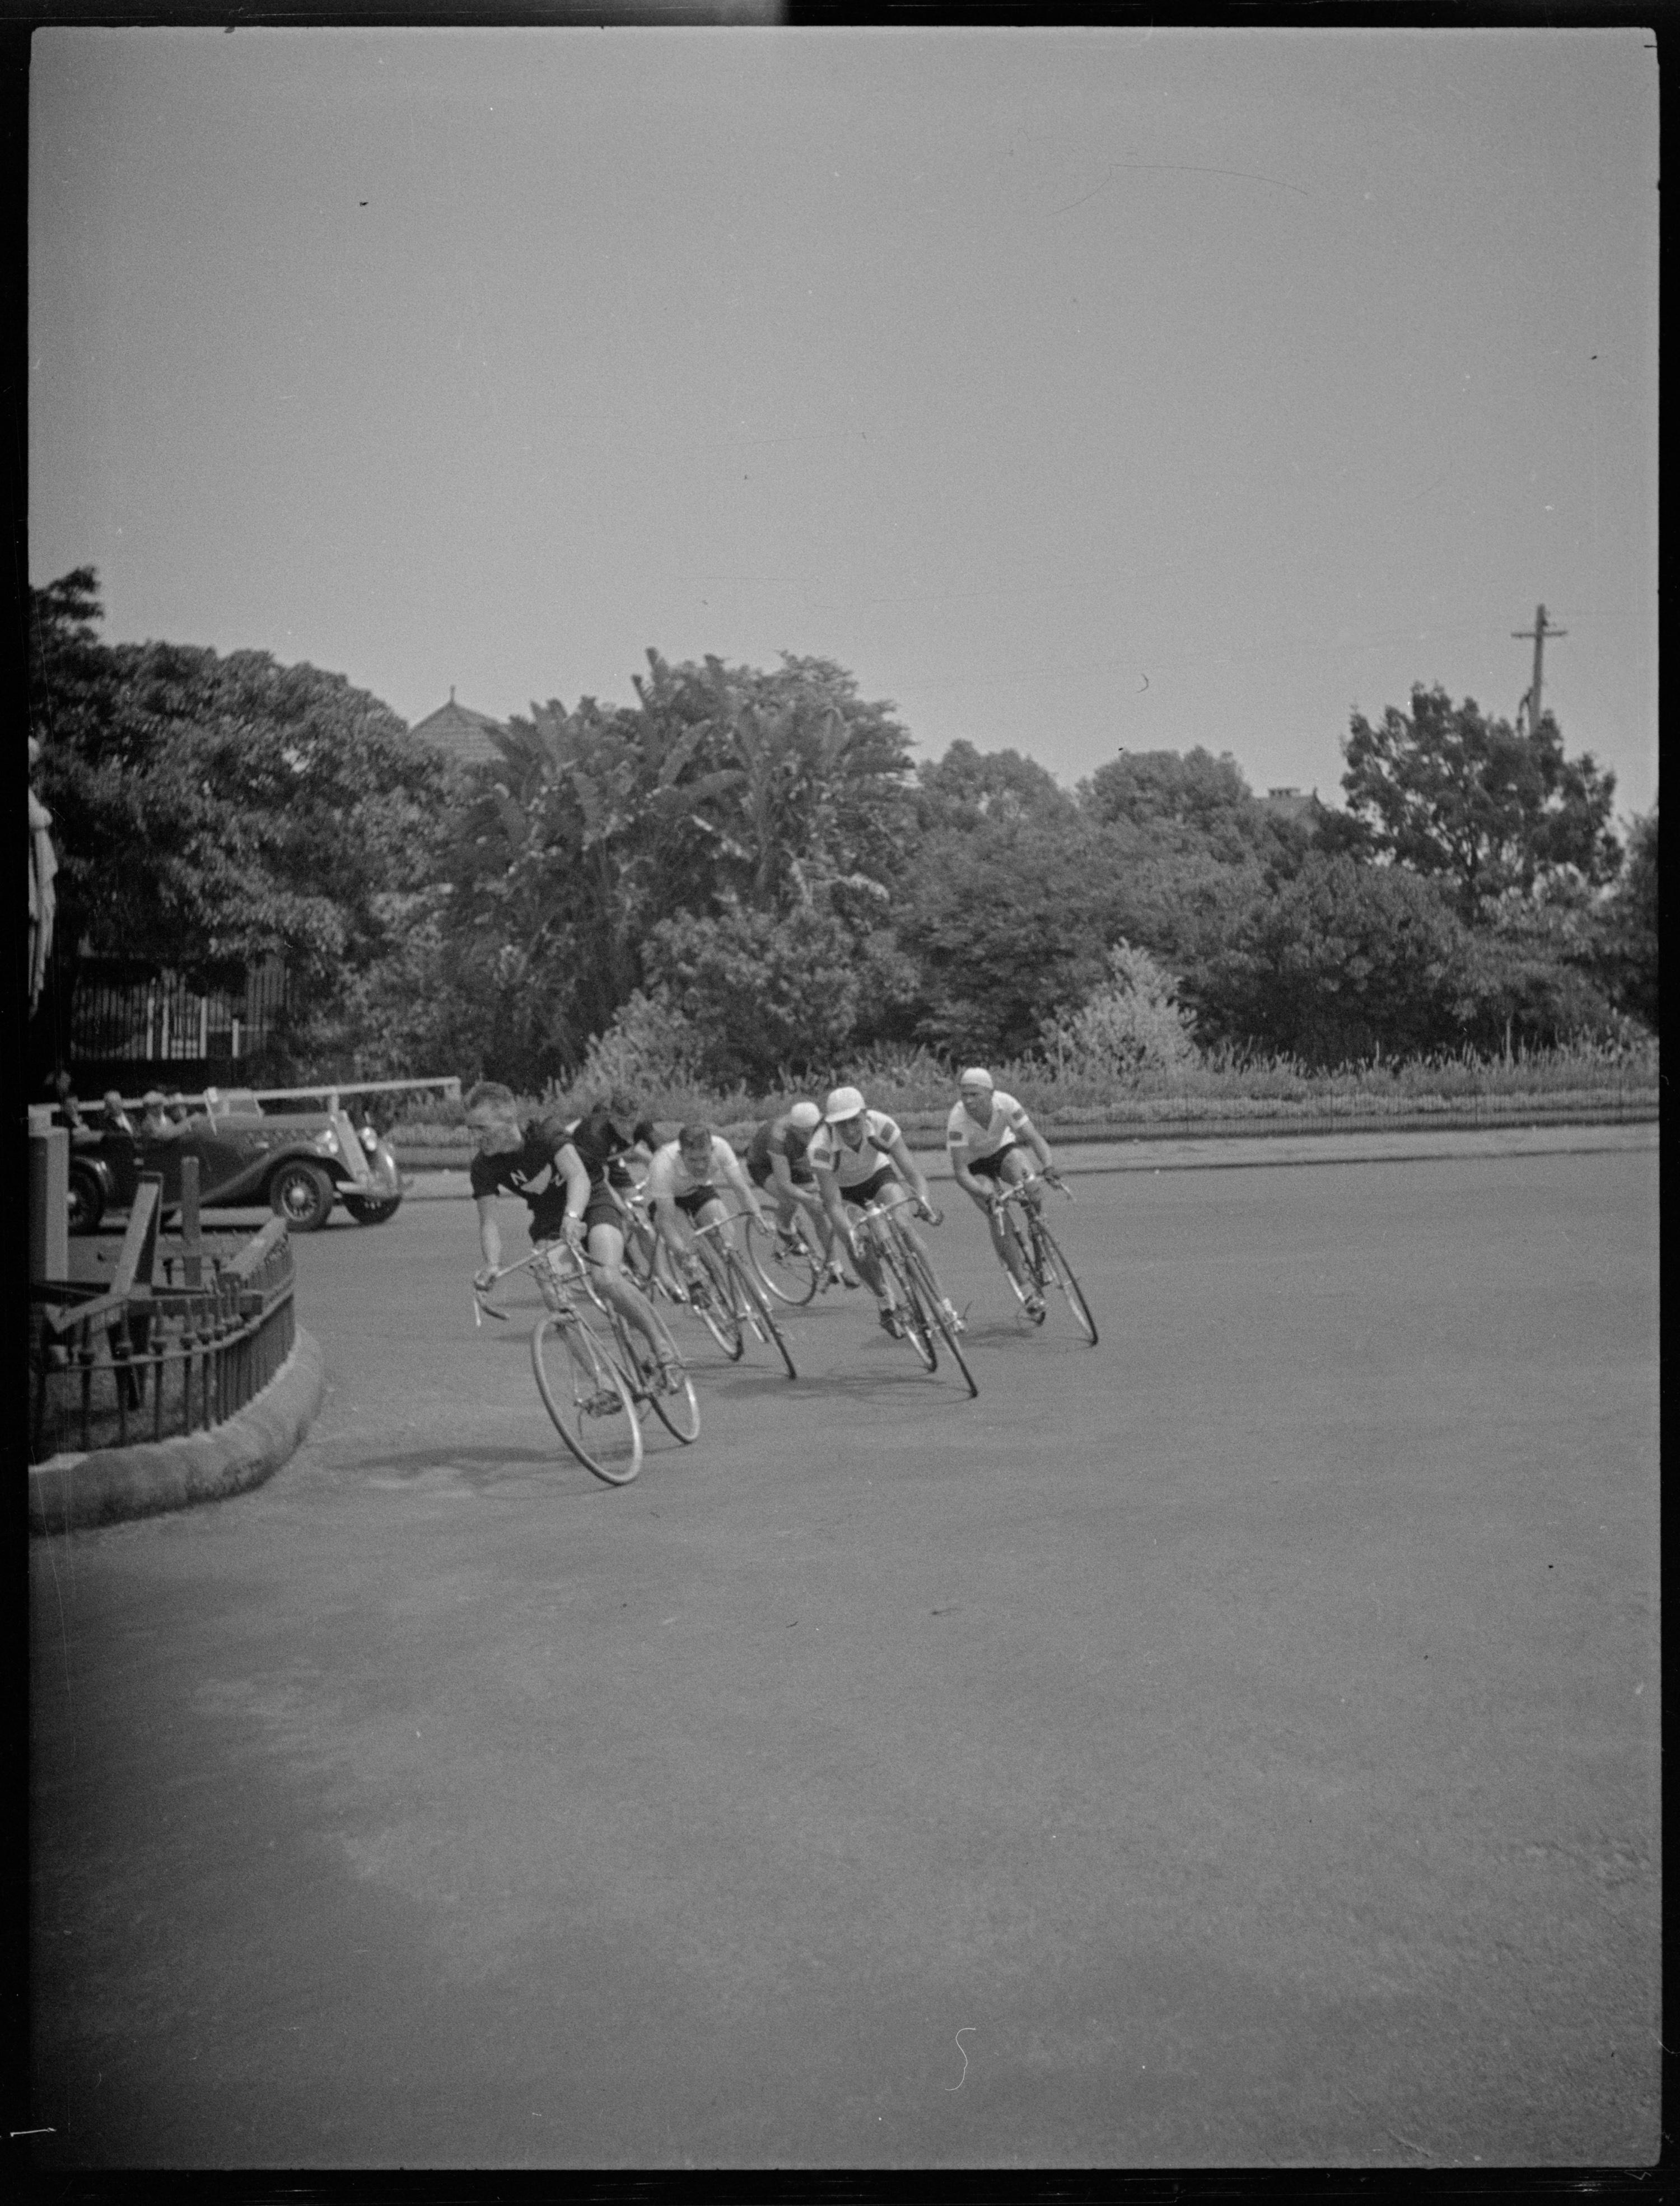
pixel 984 1136
pixel 775 1161
pixel 861 1156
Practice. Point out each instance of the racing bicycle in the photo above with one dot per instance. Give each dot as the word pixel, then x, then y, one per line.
pixel 725 1294
pixel 1021 1214
pixel 917 1304
pixel 594 1371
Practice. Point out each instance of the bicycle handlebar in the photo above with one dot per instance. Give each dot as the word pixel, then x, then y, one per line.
pixel 1017 1192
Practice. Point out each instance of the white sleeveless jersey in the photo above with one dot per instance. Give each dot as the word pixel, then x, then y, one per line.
pixel 851 1167
pixel 669 1177
pixel 966 1141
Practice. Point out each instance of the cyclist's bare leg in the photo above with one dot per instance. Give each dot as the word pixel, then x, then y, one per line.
pixel 607 1250
pixel 895 1197
pixel 868 1270
pixel 1014 1169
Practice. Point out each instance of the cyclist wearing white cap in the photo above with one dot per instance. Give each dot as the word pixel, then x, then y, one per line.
pixel 861 1156
pixel 984 1136
pixel 775 1161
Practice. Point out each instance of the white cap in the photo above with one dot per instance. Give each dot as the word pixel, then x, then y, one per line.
pixel 842 1103
pixel 977 1076
pixel 805 1117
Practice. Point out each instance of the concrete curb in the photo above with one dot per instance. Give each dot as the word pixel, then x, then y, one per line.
pixel 75 1493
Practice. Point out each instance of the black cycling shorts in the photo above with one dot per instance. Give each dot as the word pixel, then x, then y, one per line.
pixel 696 1200
pixel 548 1213
pixel 760 1175
pixel 990 1167
pixel 867 1189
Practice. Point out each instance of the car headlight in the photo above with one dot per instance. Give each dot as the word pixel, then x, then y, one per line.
pixel 369 1140
pixel 325 1143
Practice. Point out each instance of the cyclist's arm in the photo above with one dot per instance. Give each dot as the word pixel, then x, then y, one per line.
pixel 735 1172
pixel 900 1153
pixel 489 1233
pixel 570 1167
pixel 1041 1147
pixel 828 1187
pixel 965 1178
pixel 780 1174
pixel 674 1226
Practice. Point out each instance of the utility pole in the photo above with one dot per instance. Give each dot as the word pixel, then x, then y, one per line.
pixel 1539 632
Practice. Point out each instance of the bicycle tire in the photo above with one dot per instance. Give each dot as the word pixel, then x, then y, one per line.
pixel 1055 1270
pixel 678 1412
pixel 758 1301
pixel 918 1328
pixel 585 1394
pixel 791 1279
pixel 716 1311
pixel 922 1280
pixel 1019 1242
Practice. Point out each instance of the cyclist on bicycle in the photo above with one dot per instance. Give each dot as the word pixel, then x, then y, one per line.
pixel 574 1203
pixel 861 1156
pixel 775 1161
pixel 682 1189
pixel 984 1136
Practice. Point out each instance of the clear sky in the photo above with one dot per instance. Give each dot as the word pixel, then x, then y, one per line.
pixel 1075 389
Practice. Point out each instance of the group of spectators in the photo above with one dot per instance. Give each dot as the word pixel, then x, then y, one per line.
pixel 160 1115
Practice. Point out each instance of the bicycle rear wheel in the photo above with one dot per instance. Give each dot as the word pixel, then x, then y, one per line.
pixel 1055 1270
pixel 755 1300
pixel 918 1326
pixel 790 1275
pixel 927 1292
pixel 583 1392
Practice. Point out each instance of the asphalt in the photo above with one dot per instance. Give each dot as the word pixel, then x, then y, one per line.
pixel 1235 1744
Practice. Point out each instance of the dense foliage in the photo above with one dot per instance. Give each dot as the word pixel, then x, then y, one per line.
pixel 740 879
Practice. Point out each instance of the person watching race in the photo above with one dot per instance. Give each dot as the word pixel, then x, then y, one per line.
pixel 775 1161
pixel 984 1138
pixel 681 1190
pixel 574 1202
pixel 861 1156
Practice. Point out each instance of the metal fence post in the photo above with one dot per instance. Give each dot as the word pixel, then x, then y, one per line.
pixel 49 1203
pixel 192 1242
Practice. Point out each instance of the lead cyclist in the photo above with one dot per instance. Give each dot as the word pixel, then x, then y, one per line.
pixel 984 1136
pixel 860 1156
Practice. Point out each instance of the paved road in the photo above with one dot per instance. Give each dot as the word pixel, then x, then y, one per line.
pixel 1236 1744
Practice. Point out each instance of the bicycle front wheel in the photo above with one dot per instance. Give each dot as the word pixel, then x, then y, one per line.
pixel 927 1292
pixel 918 1328
pixel 592 1409
pixel 1055 1270
pixel 677 1408
pixel 755 1301
pixel 713 1303
pixel 789 1274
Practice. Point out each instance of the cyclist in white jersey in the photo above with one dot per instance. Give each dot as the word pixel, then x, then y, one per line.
pixel 682 1187
pixel 986 1137
pixel 861 1156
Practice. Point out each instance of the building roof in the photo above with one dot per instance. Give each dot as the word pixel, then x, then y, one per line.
pixel 1290 804
pixel 460 733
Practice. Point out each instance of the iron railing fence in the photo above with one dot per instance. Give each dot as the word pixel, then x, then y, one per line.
pixel 159 1362
pixel 160 1016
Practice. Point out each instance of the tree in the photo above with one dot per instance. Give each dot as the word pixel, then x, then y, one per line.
pixel 1335 963
pixel 1195 805
pixel 967 786
pixel 1629 926
pixel 214 811
pixel 1446 792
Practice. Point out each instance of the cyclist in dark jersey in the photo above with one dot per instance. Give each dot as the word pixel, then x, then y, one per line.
pixel 565 1173
pixel 775 1161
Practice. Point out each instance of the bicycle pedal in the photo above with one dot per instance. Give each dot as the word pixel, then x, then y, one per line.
pixel 606 1404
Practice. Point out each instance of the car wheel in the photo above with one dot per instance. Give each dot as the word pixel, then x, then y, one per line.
pixel 302 1194
pixel 367 1210
pixel 87 1202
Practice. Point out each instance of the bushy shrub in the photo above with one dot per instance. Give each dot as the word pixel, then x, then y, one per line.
pixel 1132 1024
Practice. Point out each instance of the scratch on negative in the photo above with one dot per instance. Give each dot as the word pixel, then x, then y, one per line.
pixel 966 2031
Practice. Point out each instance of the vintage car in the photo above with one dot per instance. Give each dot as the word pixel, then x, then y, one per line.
pixel 297 1162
